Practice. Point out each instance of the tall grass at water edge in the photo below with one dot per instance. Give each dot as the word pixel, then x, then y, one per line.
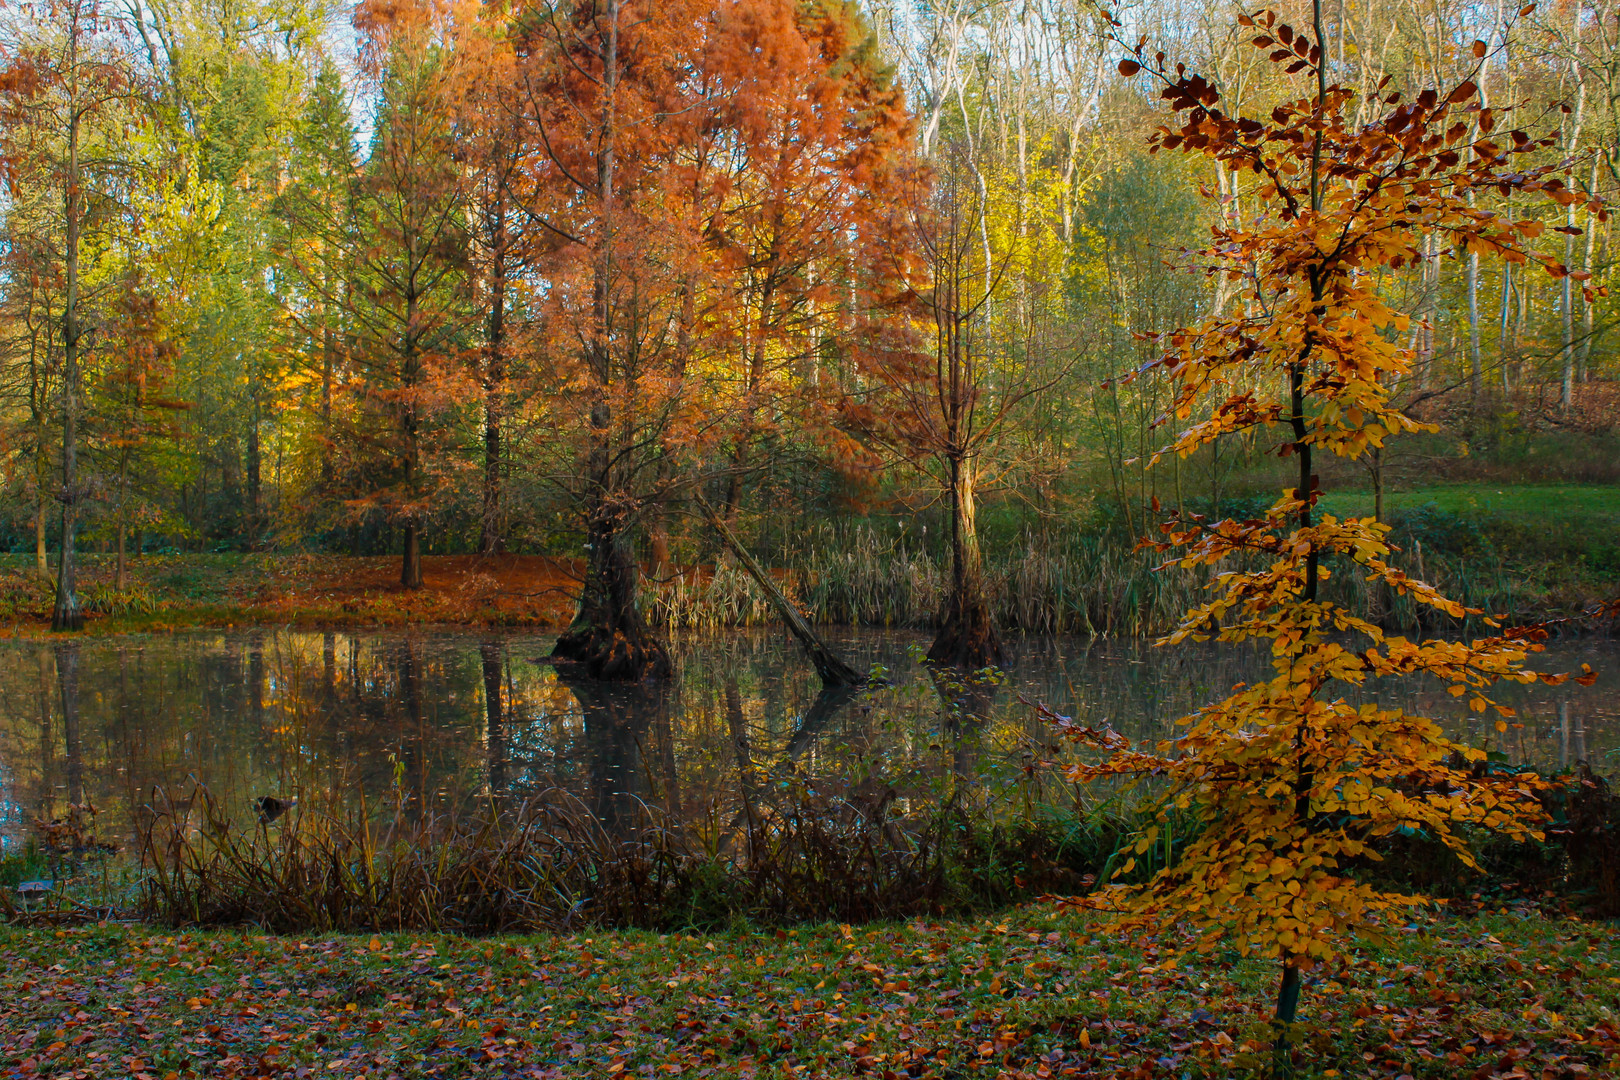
pixel 1091 584
pixel 551 863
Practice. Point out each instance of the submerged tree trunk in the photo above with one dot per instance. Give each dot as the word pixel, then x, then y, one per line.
pixel 833 670
pixel 966 637
pixel 609 639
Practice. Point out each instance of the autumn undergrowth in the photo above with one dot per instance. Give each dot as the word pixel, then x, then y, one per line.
pixel 1499 992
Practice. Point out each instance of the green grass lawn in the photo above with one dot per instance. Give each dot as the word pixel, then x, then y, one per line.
pixel 1555 506
pixel 1029 994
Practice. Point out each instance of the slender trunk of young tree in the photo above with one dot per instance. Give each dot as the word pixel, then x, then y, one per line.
pixel 1587 307
pixel 410 571
pixel 1502 341
pixel 39 409
pixel 1476 381
pixel 42 562
pixel 490 539
pixel 328 364
pixel 67 614
pixel 967 637
pixel 255 467
pixel 1566 394
pixel 1304 774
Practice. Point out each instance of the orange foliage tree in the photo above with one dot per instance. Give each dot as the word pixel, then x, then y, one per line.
pixel 409 255
pixel 682 208
pixel 1291 781
pixel 799 171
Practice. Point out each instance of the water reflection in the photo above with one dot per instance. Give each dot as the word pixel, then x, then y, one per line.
pixel 439 719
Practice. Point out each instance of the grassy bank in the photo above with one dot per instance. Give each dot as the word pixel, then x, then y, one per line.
pixel 1499 994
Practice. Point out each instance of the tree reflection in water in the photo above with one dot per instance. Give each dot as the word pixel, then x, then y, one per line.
pixel 445 719
pixel 617 716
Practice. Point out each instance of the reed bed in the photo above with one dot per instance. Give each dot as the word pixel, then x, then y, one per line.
pixel 549 863
pixel 1088 584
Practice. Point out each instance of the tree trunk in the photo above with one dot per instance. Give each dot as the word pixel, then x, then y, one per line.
pixel 1587 330
pixel 122 578
pixel 966 637
pixel 833 670
pixel 608 638
pixel 490 531
pixel 42 563
pixel 410 574
pixel 1503 343
pixel 255 470
pixel 328 356
pixel 1476 382
pixel 67 614
pixel 1287 1010
pixel 1566 395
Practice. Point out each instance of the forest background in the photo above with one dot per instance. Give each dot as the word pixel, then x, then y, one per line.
pixel 865 283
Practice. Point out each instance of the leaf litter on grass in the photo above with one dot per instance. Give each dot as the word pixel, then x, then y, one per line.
pixel 1029 996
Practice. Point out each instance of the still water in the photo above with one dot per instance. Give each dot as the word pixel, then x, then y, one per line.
pixel 443 718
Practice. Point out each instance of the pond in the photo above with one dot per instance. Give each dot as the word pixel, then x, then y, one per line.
pixel 443 718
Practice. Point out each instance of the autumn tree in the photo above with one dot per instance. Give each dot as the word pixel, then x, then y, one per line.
pixel 63 91
pixel 135 396
pixel 493 144
pixel 948 384
pixel 702 166
pixel 398 242
pixel 608 91
pixel 316 218
pixel 791 185
pixel 28 309
pixel 1292 782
